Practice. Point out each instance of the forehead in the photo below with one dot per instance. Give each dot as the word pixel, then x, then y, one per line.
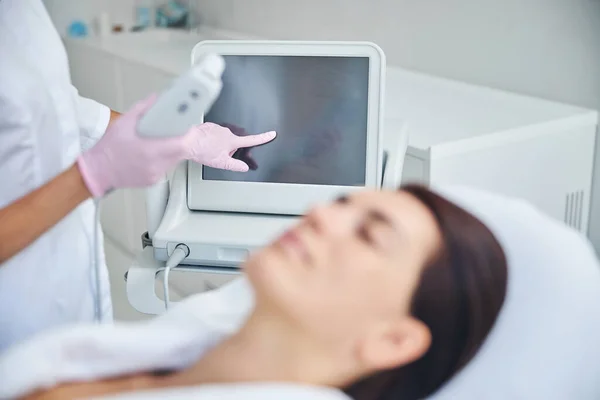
pixel 396 205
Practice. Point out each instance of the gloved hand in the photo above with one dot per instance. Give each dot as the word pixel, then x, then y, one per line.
pixel 122 158
pixel 220 146
pixel 242 154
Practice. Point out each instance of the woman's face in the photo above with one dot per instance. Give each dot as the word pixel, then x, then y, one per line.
pixel 347 271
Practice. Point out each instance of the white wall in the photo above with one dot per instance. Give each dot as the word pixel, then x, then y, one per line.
pixel 549 48
pixel 63 12
pixel 545 48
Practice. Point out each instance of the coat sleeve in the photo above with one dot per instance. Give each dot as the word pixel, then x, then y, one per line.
pixel 93 118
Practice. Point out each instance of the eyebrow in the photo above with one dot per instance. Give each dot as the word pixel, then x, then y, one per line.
pixel 373 215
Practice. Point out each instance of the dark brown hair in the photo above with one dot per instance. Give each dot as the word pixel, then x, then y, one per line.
pixel 459 296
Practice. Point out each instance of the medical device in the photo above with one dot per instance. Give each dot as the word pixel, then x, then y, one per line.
pixel 184 103
pixel 325 101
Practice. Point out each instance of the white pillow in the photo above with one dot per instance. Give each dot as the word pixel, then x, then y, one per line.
pixel 546 341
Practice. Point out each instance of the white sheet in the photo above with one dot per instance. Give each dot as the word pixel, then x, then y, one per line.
pixel 173 340
pixel 238 391
pixel 85 352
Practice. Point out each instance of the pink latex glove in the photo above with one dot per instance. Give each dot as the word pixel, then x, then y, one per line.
pixel 123 159
pixel 243 154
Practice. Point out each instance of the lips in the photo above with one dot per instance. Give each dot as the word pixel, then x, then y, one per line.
pixel 292 242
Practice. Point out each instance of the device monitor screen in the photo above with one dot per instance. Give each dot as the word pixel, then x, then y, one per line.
pixel 318 105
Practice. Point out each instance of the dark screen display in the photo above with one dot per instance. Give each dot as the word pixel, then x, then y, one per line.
pixel 317 106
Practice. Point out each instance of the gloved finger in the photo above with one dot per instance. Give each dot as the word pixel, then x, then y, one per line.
pixel 236 165
pixel 244 155
pixel 142 106
pixel 236 130
pixel 254 140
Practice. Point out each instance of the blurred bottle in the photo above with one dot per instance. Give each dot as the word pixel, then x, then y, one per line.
pixel 174 14
pixel 144 13
pixel 102 25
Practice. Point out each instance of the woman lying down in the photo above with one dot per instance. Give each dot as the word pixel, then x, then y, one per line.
pixel 381 295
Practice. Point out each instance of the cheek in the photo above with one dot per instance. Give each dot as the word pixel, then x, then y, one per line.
pixel 361 288
pixel 337 298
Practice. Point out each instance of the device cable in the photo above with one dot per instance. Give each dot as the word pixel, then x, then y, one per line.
pixel 179 254
pixel 98 312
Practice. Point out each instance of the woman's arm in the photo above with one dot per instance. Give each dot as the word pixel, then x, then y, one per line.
pixel 113 116
pixel 26 219
pixel 108 387
pixel 93 119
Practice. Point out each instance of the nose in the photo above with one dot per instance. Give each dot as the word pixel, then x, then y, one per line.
pixel 334 219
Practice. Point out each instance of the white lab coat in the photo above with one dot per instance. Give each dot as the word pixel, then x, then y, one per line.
pixel 44 124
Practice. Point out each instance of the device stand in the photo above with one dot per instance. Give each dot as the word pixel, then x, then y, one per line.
pixel 141 281
pixel 140 284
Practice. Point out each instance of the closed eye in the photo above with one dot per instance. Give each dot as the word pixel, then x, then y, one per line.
pixel 342 200
pixel 373 229
pixel 373 222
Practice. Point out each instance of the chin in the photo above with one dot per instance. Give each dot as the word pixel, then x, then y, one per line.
pixel 268 272
pixel 261 265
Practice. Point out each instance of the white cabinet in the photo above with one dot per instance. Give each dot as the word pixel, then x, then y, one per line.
pixel 94 73
pixel 534 149
pixel 139 81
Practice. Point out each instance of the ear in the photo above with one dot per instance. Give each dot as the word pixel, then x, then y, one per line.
pixel 394 344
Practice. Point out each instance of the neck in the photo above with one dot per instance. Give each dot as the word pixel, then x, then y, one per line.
pixel 265 349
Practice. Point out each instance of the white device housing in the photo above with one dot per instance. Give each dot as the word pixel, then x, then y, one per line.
pixel 183 104
pixel 214 238
pixel 282 198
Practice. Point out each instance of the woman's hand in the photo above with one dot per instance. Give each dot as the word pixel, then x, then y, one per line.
pixel 226 148
pixel 122 158
pixel 243 153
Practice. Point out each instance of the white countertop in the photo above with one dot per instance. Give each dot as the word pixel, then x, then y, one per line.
pixel 168 50
pixel 437 110
pixel 441 111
